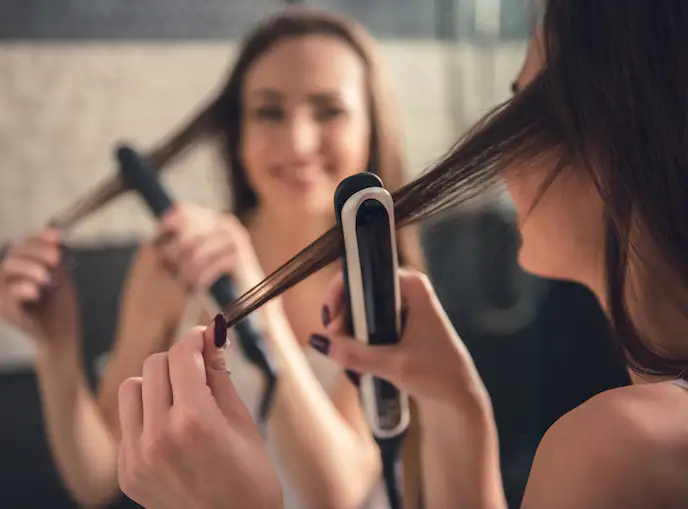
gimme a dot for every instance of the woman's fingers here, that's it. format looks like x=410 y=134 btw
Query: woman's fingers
x=44 y=248
x=24 y=292
x=334 y=306
x=16 y=268
x=156 y=393
x=415 y=287
x=216 y=258
x=175 y=249
x=382 y=361
x=219 y=380
x=187 y=368
x=130 y=400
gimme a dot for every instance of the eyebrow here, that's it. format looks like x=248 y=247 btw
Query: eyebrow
x=275 y=95
x=267 y=93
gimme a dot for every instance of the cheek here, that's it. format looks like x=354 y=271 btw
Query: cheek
x=253 y=151
x=563 y=234
x=348 y=147
x=523 y=191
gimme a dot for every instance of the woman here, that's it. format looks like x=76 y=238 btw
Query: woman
x=305 y=106
x=593 y=150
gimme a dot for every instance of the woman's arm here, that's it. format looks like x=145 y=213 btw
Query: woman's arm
x=81 y=445
x=324 y=444
x=150 y=311
x=83 y=432
x=460 y=456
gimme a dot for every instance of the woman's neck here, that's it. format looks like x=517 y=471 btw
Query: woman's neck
x=277 y=237
x=654 y=298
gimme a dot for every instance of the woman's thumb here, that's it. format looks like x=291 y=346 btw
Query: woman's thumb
x=354 y=355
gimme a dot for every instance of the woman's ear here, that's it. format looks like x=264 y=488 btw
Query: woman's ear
x=534 y=61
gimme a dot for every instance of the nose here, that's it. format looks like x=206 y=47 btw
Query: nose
x=302 y=138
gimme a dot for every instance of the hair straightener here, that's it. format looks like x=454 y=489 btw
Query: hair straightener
x=137 y=173
x=365 y=213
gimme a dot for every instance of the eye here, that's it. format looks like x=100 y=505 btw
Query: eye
x=515 y=87
x=325 y=113
x=271 y=113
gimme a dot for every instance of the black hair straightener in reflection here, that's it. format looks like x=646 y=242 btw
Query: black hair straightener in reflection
x=139 y=176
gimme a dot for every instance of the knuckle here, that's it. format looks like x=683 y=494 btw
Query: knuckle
x=155 y=362
x=183 y=348
x=417 y=282
x=352 y=355
x=126 y=481
x=402 y=366
x=23 y=290
x=156 y=448
x=423 y=281
x=350 y=359
x=131 y=471
x=188 y=429
x=9 y=264
x=53 y=255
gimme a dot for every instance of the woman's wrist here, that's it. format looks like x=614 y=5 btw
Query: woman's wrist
x=460 y=441
x=472 y=407
x=462 y=392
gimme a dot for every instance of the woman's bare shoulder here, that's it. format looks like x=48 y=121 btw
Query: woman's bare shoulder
x=627 y=447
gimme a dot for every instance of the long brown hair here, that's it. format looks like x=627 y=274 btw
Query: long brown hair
x=612 y=99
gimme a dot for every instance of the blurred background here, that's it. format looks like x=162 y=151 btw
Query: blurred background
x=79 y=76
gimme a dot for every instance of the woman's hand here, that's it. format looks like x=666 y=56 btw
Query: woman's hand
x=187 y=439
x=199 y=245
x=429 y=362
x=37 y=294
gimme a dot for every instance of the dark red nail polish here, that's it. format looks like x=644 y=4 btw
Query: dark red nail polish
x=320 y=343
x=220 y=330
x=326 y=316
x=354 y=377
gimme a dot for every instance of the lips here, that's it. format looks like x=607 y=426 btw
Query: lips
x=301 y=178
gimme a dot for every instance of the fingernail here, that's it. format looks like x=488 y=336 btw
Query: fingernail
x=326 y=316
x=220 y=330
x=320 y=343
x=354 y=377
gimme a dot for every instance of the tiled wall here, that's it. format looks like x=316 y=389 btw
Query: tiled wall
x=64 y=104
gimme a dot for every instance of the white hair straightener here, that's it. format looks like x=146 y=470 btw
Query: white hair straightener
x=365 y=214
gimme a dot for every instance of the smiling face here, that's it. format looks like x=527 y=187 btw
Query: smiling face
x=305 y=123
